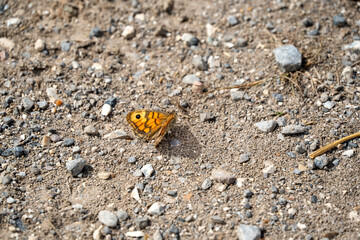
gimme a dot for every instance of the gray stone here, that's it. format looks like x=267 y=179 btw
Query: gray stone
x=199 y=63
x=248 y=232
x=156 y=209
x=27 y=103
x=91 y=131
x=348 y=153
x=223 y=176
x=232 y=20
x=329 y=104
x=324 y=97
x=96 y=32
x=147 y=170
x=218 y=220
x=206 y=184
x=207 y=117
x=190 y=79
x=67 y=141
x=236 y=95
x=354 y=46
x=321 y=161
x=19 y=151
x=122 y=215
x=10 y=200
x=248 y=193
x=281 y=121
x=339 y=20
x=8 y=120
x=75 y=166
x=65 y=46
x=293 y=129
x=34 y=170
x=6 y=180
x=288 y=58
x=241 y=42
x=142 y=222
x=42 y=105
x=118 y=134
x=132 y=159
x=190 y=39
x=108 y=218
x=244 y=158
x=266 y=126
x=157 y=235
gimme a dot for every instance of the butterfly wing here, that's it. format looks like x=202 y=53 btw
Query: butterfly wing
x=147 y=124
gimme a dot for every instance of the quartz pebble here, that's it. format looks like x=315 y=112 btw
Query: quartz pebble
x=128 y=32
x=156 y=208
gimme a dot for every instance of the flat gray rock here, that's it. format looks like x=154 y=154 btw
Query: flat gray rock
x=223 y=176
x=266 y=126
x=293 y=129
x=190 y=79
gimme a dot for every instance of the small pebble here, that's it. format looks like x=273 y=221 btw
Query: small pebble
x=156 y=208
x=142 y=222
x=132 y=159
x=207 y=117
x=266 y=126
x=91 y=131
x=244 y=158
x=348 y=153
x=223 y=176
x=339 y=20
x=232 y=20
x=129 y=32
x=218 y=220
x=108 y=218
x=122 y=215
x=39 y=45
x=321 y=161
x=248 y=232
x=67 y=141
x=190 y=39
x=206 y=184
x=288 y=58
x=147 y=170
x=293 y=129
x=106 y=109
x=190 y=79
x=75 y=166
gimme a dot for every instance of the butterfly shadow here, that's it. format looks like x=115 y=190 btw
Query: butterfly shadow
x=181 y=142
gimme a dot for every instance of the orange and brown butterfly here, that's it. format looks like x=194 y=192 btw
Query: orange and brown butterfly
x=150 y=125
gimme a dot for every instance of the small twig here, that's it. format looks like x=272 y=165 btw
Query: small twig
x=240 y=86
x=323 y=150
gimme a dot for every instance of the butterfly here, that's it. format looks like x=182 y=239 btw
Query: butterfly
x=150 y=125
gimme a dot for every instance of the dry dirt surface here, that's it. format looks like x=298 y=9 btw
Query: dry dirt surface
x=236 y=163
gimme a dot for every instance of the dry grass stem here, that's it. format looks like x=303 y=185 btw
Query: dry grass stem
x=323 y=150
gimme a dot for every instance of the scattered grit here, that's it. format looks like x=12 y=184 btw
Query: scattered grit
x=237 y=168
